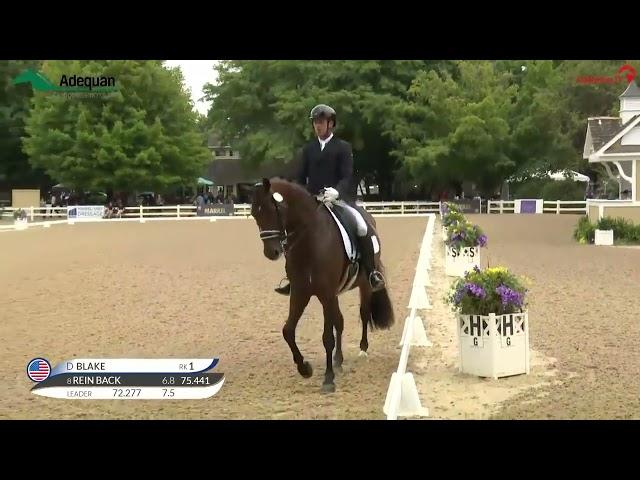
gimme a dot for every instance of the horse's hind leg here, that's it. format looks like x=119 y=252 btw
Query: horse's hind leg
x=365 y=315
x=331 y=312
x=297 y=303
x=338 y=358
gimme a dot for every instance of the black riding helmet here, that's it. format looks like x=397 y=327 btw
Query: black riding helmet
x=323 y=111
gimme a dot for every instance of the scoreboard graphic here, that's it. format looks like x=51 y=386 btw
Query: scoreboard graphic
x=126 y=378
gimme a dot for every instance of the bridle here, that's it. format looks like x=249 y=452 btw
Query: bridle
x=280 y=234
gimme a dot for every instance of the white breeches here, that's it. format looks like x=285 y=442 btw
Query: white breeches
x=362 y=225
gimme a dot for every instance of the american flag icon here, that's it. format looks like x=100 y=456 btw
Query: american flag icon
x=38 y=369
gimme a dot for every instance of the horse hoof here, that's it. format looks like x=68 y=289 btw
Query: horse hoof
x=363 y=354
x=305 y=370
x=328 y=387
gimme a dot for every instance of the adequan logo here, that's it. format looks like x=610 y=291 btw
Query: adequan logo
x=68 y=84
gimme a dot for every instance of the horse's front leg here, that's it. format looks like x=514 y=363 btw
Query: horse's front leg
x=298 y=301
x=331 y=312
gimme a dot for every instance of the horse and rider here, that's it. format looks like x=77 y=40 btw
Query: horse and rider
x=327 y=171
x=323 y=259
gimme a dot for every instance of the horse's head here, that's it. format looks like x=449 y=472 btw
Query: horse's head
x=269 y=209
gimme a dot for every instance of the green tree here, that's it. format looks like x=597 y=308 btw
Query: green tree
x=262 y=108
x=15 y=169
x=144 y=136
x=455 y=126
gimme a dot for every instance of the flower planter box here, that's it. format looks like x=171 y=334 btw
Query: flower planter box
x=458 y=261
x=494 y=345
x=604 y=237
x=20 y=223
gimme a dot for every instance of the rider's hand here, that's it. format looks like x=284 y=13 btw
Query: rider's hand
x=330 y=194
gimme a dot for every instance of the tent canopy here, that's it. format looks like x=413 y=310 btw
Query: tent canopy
x=204 y=181
x=575 y=176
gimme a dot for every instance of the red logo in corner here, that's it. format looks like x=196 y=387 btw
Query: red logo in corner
x=628 y=68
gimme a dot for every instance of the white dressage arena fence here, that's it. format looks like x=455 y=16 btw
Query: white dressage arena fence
x=538 y=206
x=402 y=395
x=48 y=216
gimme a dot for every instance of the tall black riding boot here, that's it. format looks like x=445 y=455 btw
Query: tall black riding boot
x=367 y=261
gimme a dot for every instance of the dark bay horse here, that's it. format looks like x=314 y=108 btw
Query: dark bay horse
x=293 y=222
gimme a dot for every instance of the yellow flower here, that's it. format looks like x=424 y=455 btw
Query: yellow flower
x=497 y=270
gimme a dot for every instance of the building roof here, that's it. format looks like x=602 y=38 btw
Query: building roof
x=631 y=91
x=602 y=130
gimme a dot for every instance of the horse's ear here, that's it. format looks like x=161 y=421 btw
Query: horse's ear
x=266 y=184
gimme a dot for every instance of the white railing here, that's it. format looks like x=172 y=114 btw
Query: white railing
x=564 y=206
x=402 y=208
x=402 y=398
x=501 y=206
x=242 y=209
x=549 y=206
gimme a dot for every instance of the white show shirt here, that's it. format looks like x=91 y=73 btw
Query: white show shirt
x=324 y=142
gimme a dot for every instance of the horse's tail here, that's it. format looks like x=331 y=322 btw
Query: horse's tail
x=382 y=316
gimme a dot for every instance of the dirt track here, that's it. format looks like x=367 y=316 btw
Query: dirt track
x=193 y=289
x=185 y=289
x=585 y=304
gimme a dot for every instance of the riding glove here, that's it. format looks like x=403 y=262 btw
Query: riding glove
x=330 y=194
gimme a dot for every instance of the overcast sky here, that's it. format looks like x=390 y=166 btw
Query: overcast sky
x=196 y=74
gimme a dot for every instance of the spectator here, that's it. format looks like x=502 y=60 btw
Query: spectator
x=108 y=210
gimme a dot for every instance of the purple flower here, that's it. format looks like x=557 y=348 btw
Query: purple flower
x=457 y=298
x=476 y=290
x=476 y=269
x=482 y=240
x=509 y=296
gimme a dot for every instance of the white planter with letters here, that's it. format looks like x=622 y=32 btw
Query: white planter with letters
x=494 y=345
x=458 y=261
x=604 y=237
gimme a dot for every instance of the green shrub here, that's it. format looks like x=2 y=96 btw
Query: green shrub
x=622 y=228
x=549 y=189
x=624 y=231
x=563 y=190
x=585 y=231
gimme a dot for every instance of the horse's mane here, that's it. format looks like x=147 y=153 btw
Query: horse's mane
x=289 y=189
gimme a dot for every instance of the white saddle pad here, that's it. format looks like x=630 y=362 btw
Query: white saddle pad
x=345 y=238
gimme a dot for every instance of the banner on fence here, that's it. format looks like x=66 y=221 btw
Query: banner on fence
x=529 y=206
x=215 y=209
x=85 y=212
x=467 y=205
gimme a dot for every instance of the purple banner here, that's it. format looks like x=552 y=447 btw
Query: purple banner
x=528 y=206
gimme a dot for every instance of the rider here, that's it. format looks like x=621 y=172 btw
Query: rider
x=327 y=170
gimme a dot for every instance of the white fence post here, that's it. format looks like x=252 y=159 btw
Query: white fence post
x=31 y=214
x=557 y=207
x=178 y=211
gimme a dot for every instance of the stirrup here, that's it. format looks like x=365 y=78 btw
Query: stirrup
x=284 y=290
